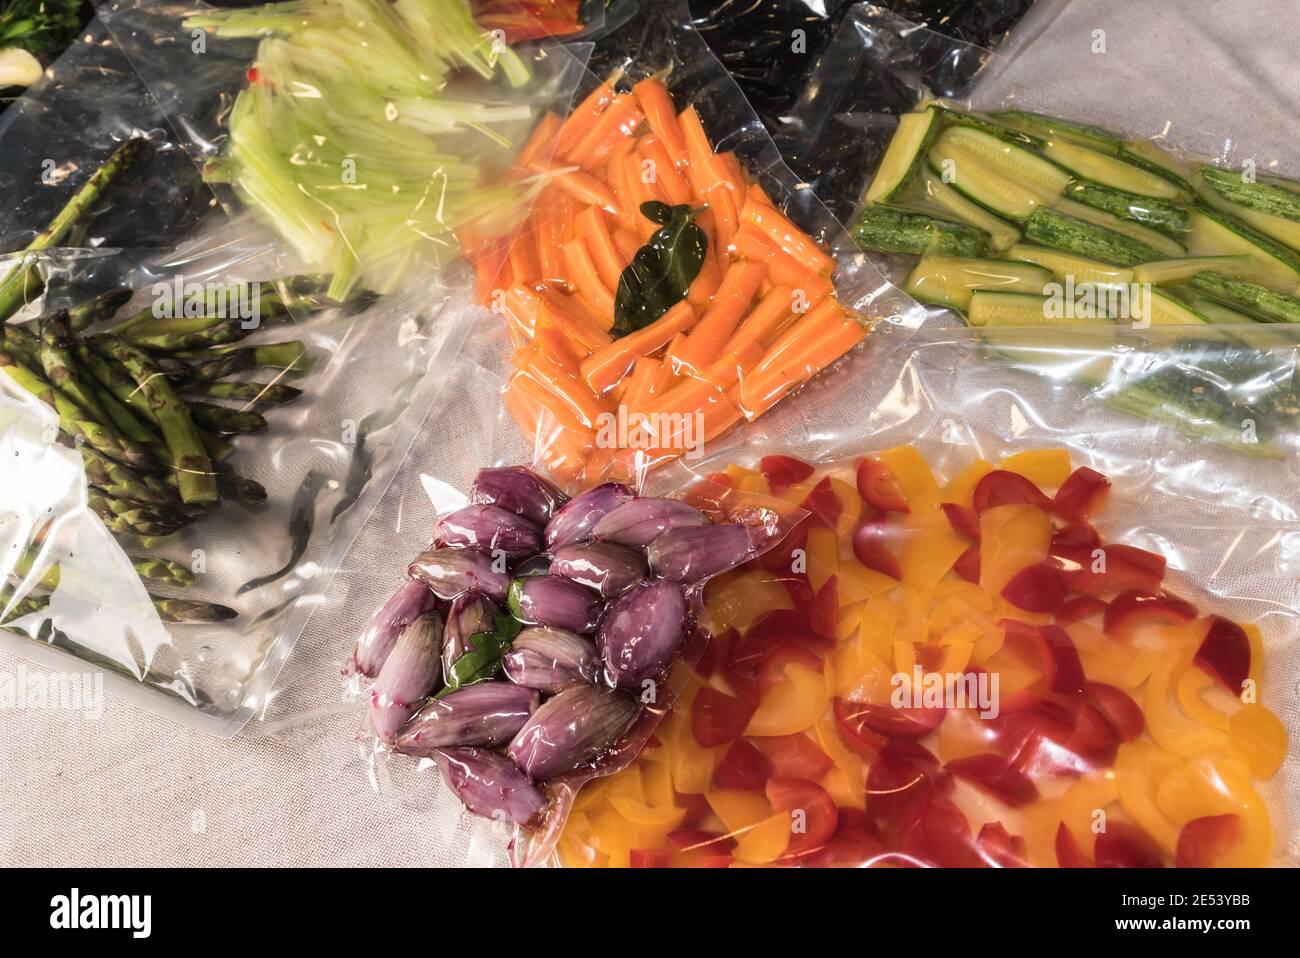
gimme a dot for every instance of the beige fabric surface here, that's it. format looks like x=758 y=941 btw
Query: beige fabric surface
x=297 y=786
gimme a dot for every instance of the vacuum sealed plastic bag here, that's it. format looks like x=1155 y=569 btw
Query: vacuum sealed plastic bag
x=1012 y=630
x=673 y=279
x=525 y=649
x=66 y=125
x=365 y=135
x=1053 y=222
x=230 y=421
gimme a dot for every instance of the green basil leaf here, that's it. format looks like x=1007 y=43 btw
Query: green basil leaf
x=662 y=271
x=483 y=662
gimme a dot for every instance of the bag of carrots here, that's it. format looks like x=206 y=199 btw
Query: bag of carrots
x=672 y=280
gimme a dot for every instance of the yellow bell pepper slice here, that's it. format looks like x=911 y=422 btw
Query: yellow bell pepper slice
x=791 y=705
x=1045 y=468
x=961 y=487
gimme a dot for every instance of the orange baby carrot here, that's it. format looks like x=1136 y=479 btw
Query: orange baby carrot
x=809 y=346
x=772 y=310
x=724 y=218
x=782 y=268
x=609 y=261
x=618 y=122
x=661 y=116
x=540 y=141
x=519 y=306
x=560 y=442
x=587 y=284
x=704 y=345
x=640 y=382
x=580 y=120
x=581 y=186
x=550 y=236
x=627 y=242
x=559 y=312
x=661 y=165
x=524 y=267
x=706 y=171
x=577 y=308
x=788 y=237
x=568 y=388
x=607 y=365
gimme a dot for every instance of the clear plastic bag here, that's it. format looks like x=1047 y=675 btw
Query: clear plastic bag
x=417 y=514
x=380 y=189
x=940 y=781
x=68 y=123
x=674 y=278
x=320 y=459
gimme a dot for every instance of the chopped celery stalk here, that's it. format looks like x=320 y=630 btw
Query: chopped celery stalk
x=369 y=132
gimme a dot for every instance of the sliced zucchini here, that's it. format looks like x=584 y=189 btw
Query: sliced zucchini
x=982 y=186
x=942 y=198
x=1215 y=234
x=1285 y=231
x=1177 y=270
x=903 y=231
x=1109 y=171
x=947 y=281
x=1159 y=214
x=1159 y=307
x=953 y=117
x=1262 y=195
x=1213 y=311
x=1006 y=159
x=1027 y=309
x=905 y=155
x=1058 y=130
x=1065 y=266
x=1268 y=304
x=1059 y=231
x=1165 y=245
x=1145 y=155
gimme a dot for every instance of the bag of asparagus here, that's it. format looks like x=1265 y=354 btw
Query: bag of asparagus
x=193 y=435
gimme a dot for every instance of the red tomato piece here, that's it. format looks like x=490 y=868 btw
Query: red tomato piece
x=997 y=775
x=716 y=653
x=869 y=548
x=1123 y=845
x=1003 y=488
x=854 y=732
x=1132 y=610
x=796 y=756
x=718 y=718
x=825 y=615
x=708 y=495
x=1118 y=706
x=1115 y=569
x=742 y=767
x=1077 y=534
x=823 y=504
x=1225 y=654
x=1068 y=852
x=964 y=520
x=1082 y=494
x=948 y=835
x=780 y=558
x=813 y=815
x=877 y=485
x=894 y=722
x=968 y=565
x=1204 y=841
x=782 y=472
x=1035 y=588
x=999 y=849
x=772 y=671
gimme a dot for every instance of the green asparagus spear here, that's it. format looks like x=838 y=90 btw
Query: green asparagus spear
x=28 y=605
x=191 y=612
x=226 y=422
x=226 y=331
x=255 y=394
x=195 y=477
x=270 y=307
x=246 y=492
x=78 y=424
x=125 y=517
x=56 y=360
x=100 y=308
x=24 y=283
x=121 y=482
x=221 y=362
x=148 y=568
